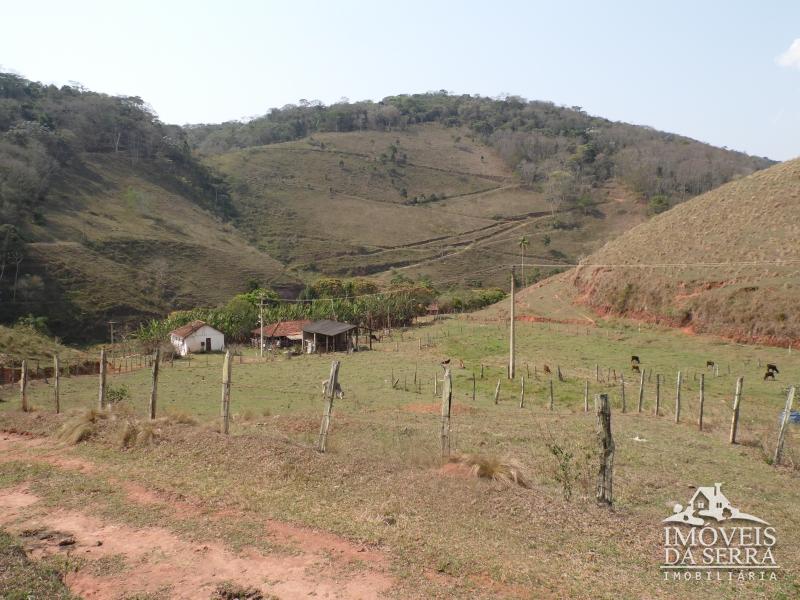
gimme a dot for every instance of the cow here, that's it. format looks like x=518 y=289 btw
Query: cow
x=772 y=368
x=709 y=364
x=635 y=368
x=635 y=360
x=374 y=337
x=769 y=375
x=547 y=369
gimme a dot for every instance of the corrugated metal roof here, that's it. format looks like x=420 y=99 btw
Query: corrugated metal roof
x=327 y=327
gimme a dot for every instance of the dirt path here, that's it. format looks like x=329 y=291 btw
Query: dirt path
x=153 y=559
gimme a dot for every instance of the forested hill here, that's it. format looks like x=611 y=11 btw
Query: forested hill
x=105 y=213
x=545 y=144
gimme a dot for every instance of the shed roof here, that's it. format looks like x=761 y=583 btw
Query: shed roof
x=327 y=327
x=189 y=329
x=282 y=328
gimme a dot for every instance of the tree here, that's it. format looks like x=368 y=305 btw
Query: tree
x=523 y=243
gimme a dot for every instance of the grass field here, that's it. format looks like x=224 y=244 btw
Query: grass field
x=425 y=530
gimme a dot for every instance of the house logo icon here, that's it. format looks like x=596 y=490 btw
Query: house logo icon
x=711 y=503
x=721 y=543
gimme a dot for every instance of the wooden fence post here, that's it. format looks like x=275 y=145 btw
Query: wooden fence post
x=330 y=392
x=497 y=392
x=522 y=392
x=473 y=385
x=558 y=371
x=702 y=399
x=641 y=390
x=56 y=383
x=23 y=386
x=678 y=398
x=227 y=365
x=435 y=385
x=784 y=423
x=447 y=400
x=586 y=396
x=597 y=372
x=154 y=388
x=605 y=475
x=736 y=400
x=622 y=389
x=551 y=393
x=658 y=393
x=101 y=397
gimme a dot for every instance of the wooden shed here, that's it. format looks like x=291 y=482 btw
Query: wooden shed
x=328 y=336
x=280 y=335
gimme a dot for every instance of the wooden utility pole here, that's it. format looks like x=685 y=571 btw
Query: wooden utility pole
x=154 y=388
x=702 y=399
x=787 y=412
x=678 y=398
x=511 y=332
x=641 y=390
x=330 y=393
x=736 y=401
x=23 y=386
x=447 y=401
x=227 y=365
x=101 y=397
x=605 y=474
x=56 y=384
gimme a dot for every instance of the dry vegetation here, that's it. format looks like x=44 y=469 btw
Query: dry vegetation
x=752 y=219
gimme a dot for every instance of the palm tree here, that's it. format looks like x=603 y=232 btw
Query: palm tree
x=523 y=243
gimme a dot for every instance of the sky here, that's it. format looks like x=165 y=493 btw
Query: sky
x=723 y=72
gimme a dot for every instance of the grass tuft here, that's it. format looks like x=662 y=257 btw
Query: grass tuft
x=81 y=427
x=507 y=471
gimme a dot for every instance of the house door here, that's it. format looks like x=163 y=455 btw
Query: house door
x=208 y=344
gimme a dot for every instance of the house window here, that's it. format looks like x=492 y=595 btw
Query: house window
x=719 y=504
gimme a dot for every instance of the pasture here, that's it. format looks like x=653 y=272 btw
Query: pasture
x=428 y=529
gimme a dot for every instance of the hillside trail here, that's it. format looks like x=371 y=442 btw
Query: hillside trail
x=156 y=560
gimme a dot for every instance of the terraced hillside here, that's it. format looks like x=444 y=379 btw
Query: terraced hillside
x=711 y=239
x=446 y=206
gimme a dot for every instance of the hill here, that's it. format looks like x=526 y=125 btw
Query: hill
x=107 y=215
x=710 y=239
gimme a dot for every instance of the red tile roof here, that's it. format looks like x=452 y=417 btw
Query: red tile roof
x=282 y=329
x=188 y=329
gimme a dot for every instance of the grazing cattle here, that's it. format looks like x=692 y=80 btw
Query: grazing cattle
x=337 y=392
x=635 y=360
x=635 y=368
x=709 y=364
x=374 y=337
x=769 y=375
x=547 y=369
x=445 y=362
x=772 y=368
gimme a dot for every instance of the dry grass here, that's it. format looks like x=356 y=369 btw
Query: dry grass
x=507 y=471
x=136 y=435
x=80 y=427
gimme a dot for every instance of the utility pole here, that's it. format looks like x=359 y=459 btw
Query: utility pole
x=111 y=328
x=511 y=334
x=261 y=326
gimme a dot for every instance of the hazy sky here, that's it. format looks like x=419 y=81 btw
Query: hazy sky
x=725 y=72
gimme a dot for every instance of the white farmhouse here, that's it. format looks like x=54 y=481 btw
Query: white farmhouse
x=197 y=336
